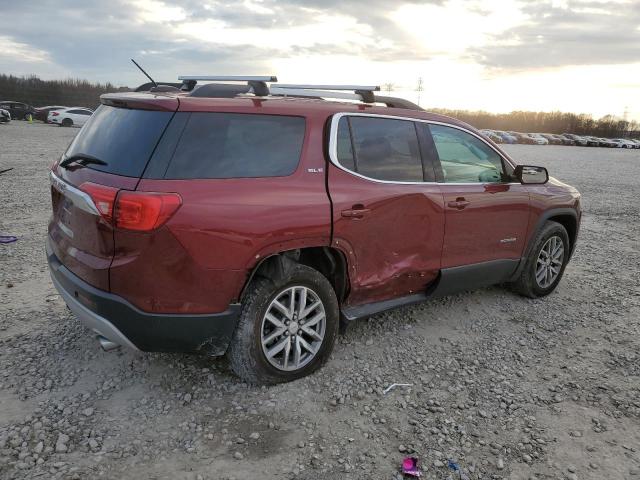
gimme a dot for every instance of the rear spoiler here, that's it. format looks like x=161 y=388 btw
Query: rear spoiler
x=141 y=101
x=150 y=87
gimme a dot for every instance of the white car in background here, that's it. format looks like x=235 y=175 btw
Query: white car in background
x=540 y=140
x=5 y=116
x=624 y=143
x=69 y=117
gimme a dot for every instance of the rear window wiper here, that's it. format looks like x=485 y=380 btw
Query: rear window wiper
x=82 y=159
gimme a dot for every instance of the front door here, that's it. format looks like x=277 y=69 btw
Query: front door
x=388 y=214
x=486 y=214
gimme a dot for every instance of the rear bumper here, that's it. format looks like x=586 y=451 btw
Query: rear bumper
x=117 y=320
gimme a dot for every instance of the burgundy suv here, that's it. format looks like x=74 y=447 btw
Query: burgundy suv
x=233 y=219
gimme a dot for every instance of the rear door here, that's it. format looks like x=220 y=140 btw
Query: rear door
x=82 y=195
x=486 y=212
x=387 y=209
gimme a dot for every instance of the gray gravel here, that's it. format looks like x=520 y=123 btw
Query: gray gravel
x=504 y=386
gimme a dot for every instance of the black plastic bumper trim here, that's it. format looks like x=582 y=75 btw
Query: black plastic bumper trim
x=150 y=332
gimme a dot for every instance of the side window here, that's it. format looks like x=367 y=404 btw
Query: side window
x=465 y=158
x=383 y=149
x=235 y=145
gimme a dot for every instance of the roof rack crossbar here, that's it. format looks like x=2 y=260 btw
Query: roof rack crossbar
x=364 y=88
x=257 y=83
x=303 y=92
x=229 y=78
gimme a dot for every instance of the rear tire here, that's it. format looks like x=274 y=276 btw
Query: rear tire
x=546 y=262
x=247 y=353
x=67 y=122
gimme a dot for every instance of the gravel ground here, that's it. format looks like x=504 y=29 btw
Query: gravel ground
x=505 y=386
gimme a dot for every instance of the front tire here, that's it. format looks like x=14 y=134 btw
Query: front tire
x=546 y=262
x=287 y=327
x=67 y=122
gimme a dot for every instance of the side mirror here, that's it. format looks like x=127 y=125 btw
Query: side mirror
x=530 y=175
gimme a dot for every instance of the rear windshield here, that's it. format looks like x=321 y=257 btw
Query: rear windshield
x=234 y=145
x=122 y=137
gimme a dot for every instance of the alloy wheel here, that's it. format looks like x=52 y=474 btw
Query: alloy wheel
x=293 y=328
x=549 y=262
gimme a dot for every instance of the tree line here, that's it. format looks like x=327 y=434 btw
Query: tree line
x=70 y=92
x=548 y=122
x=82 y=93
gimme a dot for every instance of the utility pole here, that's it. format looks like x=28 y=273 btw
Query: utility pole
x=626 y=114
x=419 y=89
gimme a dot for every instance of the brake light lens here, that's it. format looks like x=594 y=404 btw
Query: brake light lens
x=138 y=211
x=55 y=114
x=145 y=211
x=103 y=197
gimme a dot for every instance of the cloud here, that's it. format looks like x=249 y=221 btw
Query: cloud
x=95 y=39
x=559 y=34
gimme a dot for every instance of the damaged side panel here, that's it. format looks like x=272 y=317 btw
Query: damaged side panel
x=394 y=248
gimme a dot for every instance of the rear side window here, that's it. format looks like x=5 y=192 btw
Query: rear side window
x=234 y=145
x=344 y=147
x=122 y=137
x=380 y=148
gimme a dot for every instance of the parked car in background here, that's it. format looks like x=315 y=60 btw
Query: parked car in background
x=606 y=142
x=636 y=141
x=592 y=141
x=69 y=117
x=5 y=116
x=492 y=135
x=624 y=143
x=539 y=139
x=42 y=113
x=157 y=248
x=18 y=110
x=523 y=138
x=553 y=140
x=506 y=137
x=581 y=141
x=565 y=140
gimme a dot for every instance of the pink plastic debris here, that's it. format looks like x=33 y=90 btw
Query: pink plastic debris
x=410 y=467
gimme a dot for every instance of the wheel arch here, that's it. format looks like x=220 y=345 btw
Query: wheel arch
x=330 y=262
x=567 y=217
x=570 y=223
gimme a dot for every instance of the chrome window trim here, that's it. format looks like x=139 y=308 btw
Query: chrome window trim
x=79 y=198
x=333 y=147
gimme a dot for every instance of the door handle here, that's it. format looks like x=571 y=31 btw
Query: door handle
x=357 y=211
x=459 y=203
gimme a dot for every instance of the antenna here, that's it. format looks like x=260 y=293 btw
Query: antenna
x=145 y=73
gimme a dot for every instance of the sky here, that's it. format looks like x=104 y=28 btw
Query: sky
x=580 y=56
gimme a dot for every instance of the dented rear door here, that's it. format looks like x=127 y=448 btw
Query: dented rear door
x=388 y=214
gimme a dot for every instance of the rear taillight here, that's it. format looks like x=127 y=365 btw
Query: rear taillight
x=55 y=114
x=144 y=211
x=103 y=197
x=139 y=211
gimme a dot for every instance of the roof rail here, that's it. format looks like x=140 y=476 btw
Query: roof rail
x=395 y=102
x=258 y=83
x=363 y=93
